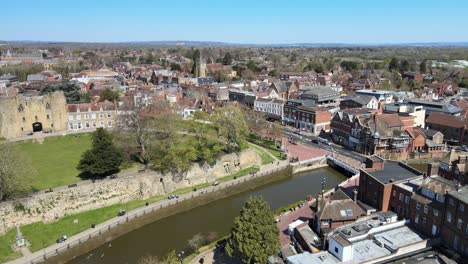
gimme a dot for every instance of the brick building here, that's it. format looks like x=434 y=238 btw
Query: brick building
x=453 y=127
x=454 y=230
x=377 y=179
x=305 y=115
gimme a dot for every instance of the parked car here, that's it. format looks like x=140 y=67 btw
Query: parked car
x=216 y=183
x=49 y=190
x=113 y=177
x=326 y=142
x=121 y=213
x=297 y=132
x=72 y=185
x=61 y=239
x=315 y=141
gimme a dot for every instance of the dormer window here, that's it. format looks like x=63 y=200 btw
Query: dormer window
x=20 y=108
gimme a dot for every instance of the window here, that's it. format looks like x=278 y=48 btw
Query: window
x=436 y=212
x=394 y=193
x=426 y=208
x=449 y=217
x=418 y=205
x=459 y=223
x=401 y=196
x=102 y=124
x=416 y=218
x=71 y=126
x=407 y=199
x=424 y=221
x=101 y=115
x=109 y=123
x=70 y=117
x=47 y=106
x=78 y=117
x=93 y=116
x=94 y=123
x=86 y=116
x=24 y=119
x=79 y=125
x=336 y=249
x=48 y=117
x=461 y=207
x=20 y=108
x=451 y=202
x=109 y=115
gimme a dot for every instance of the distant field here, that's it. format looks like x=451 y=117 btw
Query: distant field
x=55 y=160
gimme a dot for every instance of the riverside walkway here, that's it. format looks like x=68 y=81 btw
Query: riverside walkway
x=53 y=250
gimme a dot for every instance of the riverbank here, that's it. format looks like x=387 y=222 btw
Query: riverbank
x=115 y=227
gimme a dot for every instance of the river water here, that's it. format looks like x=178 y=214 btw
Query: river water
x=212 y=220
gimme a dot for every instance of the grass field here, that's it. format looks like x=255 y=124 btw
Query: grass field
x=266 y=159
x=55 y=160
x=40 y=234
x=6 y=252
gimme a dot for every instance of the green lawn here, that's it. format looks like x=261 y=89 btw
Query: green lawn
x=40 y=234
x=6 y=252
x=262 y=141
x=55 y=160
x=266 y=159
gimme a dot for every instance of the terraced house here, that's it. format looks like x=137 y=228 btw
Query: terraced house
x=92 y=115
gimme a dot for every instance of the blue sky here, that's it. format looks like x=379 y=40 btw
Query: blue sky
x=240 y=21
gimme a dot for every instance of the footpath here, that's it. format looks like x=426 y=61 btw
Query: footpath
x=53 y=250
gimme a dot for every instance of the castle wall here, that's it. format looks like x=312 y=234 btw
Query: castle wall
x=18 y=113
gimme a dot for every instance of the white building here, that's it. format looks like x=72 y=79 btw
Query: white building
x=385 y=97
x=272 y=107
x=91 y=116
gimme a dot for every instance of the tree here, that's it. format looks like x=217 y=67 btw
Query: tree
x=14 y=168
x=196 y=242
x=404 y=66
x=423 y=67
x=219 y=76
x=71 y=90
x=231 y=128
x=227 y=60
x=171 y=258
x=176 y=67
x=108 y=95
x=102 y=159
x=254 y=236
x=394 y=64
x=247 y=74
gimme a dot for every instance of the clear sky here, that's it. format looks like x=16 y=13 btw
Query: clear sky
x=239 y=21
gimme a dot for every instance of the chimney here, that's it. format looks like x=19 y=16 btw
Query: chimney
x=355 y=193
x=432 y=168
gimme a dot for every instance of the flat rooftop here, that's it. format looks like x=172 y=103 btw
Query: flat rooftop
x=318 y=258
x=368 y=249
x=393 y=172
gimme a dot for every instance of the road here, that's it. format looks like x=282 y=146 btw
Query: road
x=306 y=139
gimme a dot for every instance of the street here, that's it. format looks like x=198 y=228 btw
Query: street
x=307 y=141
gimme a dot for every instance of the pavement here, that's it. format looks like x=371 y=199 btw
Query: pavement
x=92 y=232
x=303 y=213
x=301 y=151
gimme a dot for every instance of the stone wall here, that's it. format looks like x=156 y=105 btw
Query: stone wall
x=46 y=206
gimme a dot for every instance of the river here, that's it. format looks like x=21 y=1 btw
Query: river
x=212 y=220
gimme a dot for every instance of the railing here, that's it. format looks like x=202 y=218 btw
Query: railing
x=111 y=224
x=344 y=165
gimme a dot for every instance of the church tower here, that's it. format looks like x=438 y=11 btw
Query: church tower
x=201 y=68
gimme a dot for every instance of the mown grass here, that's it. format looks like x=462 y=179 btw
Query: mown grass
x=55 y=160
x=42 y=235
x=262 y=141
x=6 y=252
x=266 y=158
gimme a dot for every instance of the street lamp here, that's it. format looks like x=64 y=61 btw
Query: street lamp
x=180 y=255
x=323 y=184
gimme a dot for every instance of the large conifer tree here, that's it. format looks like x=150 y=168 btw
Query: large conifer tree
x=103 y=158
x=255 y=235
